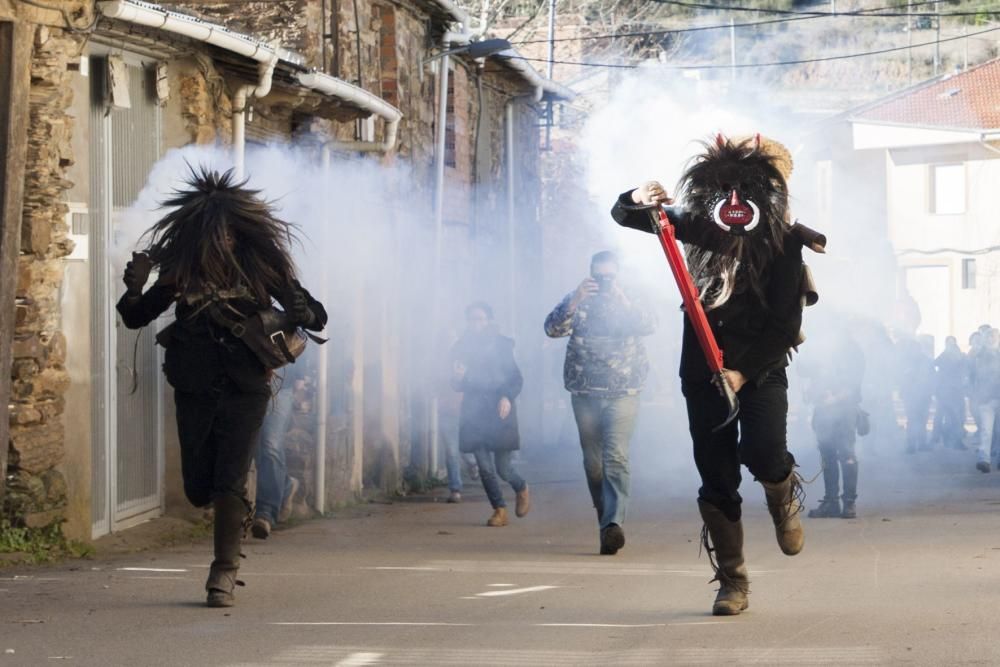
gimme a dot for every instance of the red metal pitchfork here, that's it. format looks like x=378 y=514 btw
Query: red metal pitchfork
x=696 y=312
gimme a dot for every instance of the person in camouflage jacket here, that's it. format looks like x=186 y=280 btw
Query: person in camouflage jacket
x=605 y=369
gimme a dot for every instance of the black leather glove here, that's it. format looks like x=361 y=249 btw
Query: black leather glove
x=299 y=310
x=137 y=273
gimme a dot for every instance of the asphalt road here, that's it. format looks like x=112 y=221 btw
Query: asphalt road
x=914 y=580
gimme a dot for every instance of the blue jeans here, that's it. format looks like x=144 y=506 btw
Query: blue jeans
x=448 y=432
x=273 y=482
x=987 y=424
x=492 y=467
x=606 y=426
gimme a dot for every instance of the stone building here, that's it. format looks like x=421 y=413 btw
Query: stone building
x=95 y=94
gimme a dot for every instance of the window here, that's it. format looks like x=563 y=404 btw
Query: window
x=947 y=189
x=968 y=274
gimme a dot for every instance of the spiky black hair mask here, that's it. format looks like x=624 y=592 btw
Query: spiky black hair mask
x=736 y=198
x=220 y=234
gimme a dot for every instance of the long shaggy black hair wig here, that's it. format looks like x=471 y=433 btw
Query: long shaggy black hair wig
x=222 y=235
x=723 y=259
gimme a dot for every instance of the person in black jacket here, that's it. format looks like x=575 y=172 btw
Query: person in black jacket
x=221 y=255
x=748 y=268
x=836 y=372
x=484 y=371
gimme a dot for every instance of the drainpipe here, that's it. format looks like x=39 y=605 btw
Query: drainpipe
x=240 y=98
x=439 y=148
x=511 y=216
x=448 y=40
x=322 y=383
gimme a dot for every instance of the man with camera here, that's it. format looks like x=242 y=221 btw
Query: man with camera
x=605 y=369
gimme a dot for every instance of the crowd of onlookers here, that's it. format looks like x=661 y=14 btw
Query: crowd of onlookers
x=958 y=385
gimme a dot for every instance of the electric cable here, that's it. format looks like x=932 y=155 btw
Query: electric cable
x=804 y=16
x=978 y=251
x=780 y=63
x=729 y=8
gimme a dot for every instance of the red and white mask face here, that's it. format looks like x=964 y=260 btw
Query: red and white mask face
x=734 y=215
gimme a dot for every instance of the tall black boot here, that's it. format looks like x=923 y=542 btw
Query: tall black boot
x=231 y=515
x=829 y=506
x=784 y=502
x=725 y=555
x=850 y=468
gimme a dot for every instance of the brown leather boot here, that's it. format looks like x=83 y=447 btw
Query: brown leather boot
x=725 y=555
x=523 y=504
x=784 y=502
x=230 y=522
x=499 y=518
x=221 y=583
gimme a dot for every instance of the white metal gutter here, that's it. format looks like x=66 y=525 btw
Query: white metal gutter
x=457 y=13
x=514 y=60
x=153 y=16
x=334 y=87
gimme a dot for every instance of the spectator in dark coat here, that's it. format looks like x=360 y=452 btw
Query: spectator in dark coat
x=916 y=388
x=485 y=372
x=952 y=370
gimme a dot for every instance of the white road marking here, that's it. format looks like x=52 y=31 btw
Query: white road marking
x=600 y=625
x=375 y=623
x=514 y=591
x=501 y=585
x=553 y=568
x=149 y=569
x=438 y=656
x=465 y=625
x=623 y=625
x=360 y=659
x=847 y=655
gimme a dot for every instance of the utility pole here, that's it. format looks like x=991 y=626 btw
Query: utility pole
x=937 y=41
x=965 y=42
x=909 y=42
x=833 y=6
x=732 y=49
x=552 y=51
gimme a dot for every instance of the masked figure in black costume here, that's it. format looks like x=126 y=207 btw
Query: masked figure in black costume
x=747 y=265
x=222 y=255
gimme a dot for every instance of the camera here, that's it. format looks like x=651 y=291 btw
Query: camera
x=604 y=281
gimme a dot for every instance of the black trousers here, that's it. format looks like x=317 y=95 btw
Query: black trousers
x=218 y=436
x=756 y=439
x=949 y=418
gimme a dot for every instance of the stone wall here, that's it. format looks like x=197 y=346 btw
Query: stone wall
x=296 y=25
x=206 y=105
x=36 y=491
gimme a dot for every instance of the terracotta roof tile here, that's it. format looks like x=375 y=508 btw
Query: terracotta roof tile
x=969 y=100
